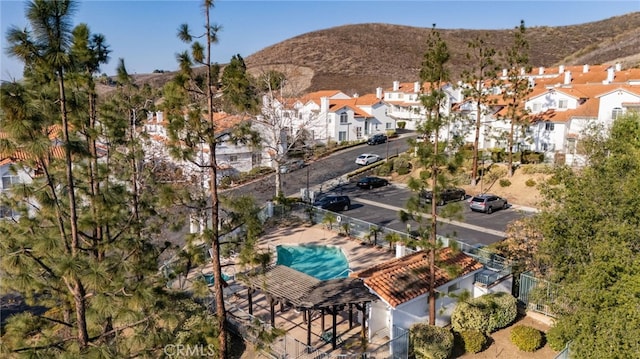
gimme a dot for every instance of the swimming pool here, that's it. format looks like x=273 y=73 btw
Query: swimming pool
x=321 y=262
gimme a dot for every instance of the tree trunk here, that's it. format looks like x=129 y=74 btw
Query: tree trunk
x=215 y=242
x=511 y=129
x=434 y=233
x=78 y=291
x=476 y=142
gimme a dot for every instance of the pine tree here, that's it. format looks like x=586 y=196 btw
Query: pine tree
x=482 y=71
x=439 y=166
x=516 y=88
x=99 y=288
x=189 y=105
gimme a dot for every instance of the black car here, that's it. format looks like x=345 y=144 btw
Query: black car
x=371 y=182
x=377 y=139
x=333 y=203
x=447 y=195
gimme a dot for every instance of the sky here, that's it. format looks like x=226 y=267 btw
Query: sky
x=143 y=32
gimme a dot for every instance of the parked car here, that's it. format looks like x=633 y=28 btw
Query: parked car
x=446 y=195
x=367 y=159
x=372 y=182
x=487 y=203
x=376 y=139
x=291 y=166
x=333 y=203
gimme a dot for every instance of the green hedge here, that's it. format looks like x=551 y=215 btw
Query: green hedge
x=430 y=341
x=526 y=338
x=487 y=313
x=474 y=341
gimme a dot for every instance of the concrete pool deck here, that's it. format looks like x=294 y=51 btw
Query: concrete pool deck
x=360 y=256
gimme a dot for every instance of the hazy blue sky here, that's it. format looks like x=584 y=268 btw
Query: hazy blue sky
x=143 y=32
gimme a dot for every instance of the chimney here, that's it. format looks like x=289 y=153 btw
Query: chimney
x=532 y=82
x=396 y=85
x=379 y=93
x=504 y=72
x=324 y=104
x=416 y=87
x=585 y=68
x=522 y=71
x=540 y=70
x=618 y=66
x=610 y=74
x=567 y=77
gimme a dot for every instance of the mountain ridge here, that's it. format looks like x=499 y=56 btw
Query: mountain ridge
x=358 y=58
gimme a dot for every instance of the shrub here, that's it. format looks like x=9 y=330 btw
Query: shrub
x=497 y=155
x=557 y=337
x=487 y=313
x=530 y=169
x=503 y=309
x=467 y=316
x=402 y=165
x=505 y=182
x=530 y=182
x=430 y=341
x=526 y=338
x=474 y=341
x=403 y=170
x=401 y=124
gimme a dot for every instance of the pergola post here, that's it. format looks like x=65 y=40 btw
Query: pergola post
x=350 y=315
x=308 y=314
x=272 y=306
x=334 y=314
x=250 y=295
x=364 y=321
x=322 y=320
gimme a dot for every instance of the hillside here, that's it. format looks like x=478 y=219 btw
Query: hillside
x=359 y=58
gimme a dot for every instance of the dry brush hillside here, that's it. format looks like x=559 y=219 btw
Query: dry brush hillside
x=359 y=58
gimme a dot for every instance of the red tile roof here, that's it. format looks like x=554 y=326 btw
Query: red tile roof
x=402 y=279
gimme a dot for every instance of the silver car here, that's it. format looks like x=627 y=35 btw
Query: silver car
x=487 y=203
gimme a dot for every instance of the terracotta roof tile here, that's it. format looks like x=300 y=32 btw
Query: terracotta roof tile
x=402 y=279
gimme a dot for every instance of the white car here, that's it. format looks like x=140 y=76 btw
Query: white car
x=367 y=159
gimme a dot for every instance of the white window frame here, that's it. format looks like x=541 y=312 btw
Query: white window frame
x=344 y=118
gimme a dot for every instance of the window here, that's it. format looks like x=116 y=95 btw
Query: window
x=563 y=103
x=388 y=125
x=616 y=112
x=233 y=158
x=548 y=126
x=452 y=288
x=342 y=136
x=358 y=132
x=256 y=159
x=8 y=181
x=7 y=212
x=344 y=118
x=571 y=145
x=537 y=107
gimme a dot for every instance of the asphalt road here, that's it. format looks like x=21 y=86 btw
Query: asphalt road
x=382 y=205
x=319 y=171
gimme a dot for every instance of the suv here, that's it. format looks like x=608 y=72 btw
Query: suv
x=446 y=195
x=333 y=203
x=377 y=139
x=487 y=203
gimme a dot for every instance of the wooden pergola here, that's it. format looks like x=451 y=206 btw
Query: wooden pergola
x=285 y=286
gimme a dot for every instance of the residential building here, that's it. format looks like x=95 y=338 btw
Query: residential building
x=402 y=285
